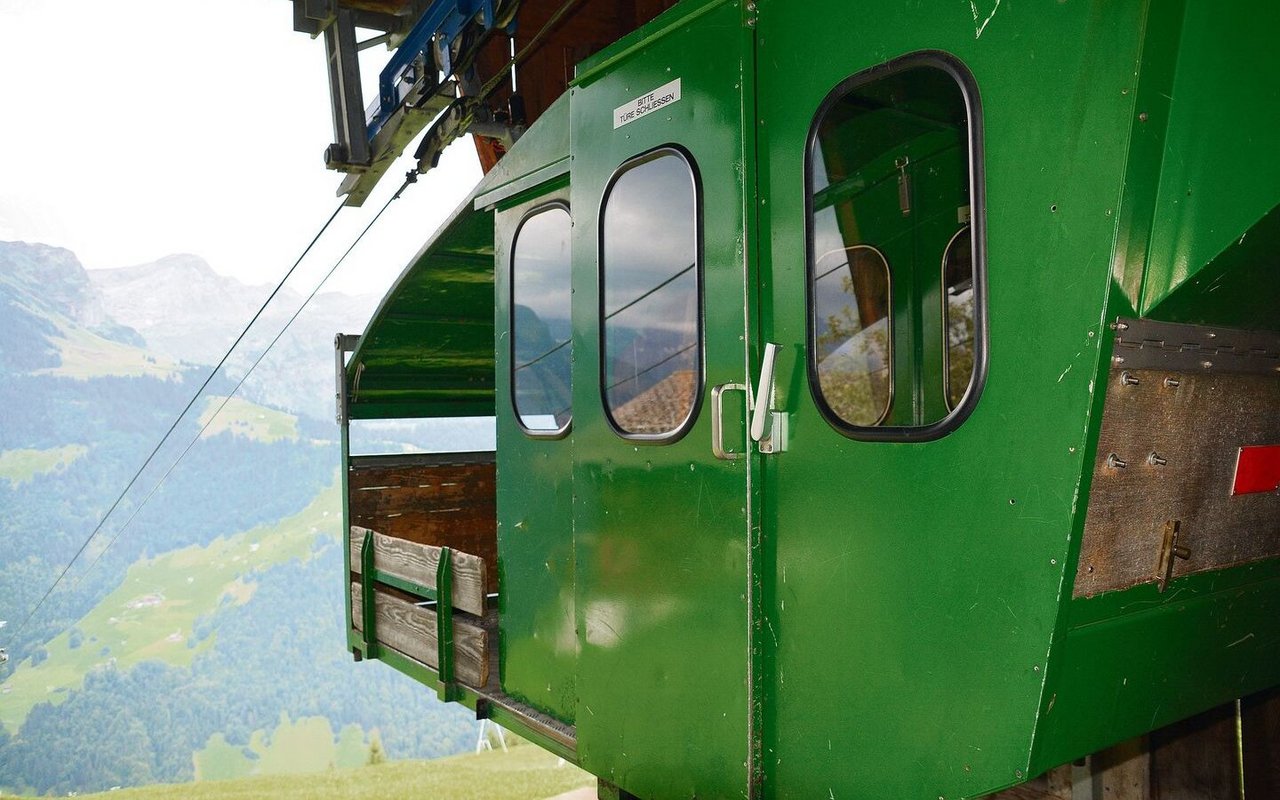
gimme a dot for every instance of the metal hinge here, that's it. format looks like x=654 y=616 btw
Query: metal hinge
x=1149 y=344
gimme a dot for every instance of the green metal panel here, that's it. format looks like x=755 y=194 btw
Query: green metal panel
x=661 y=529
x=913 y=589
x=428 y=351
x=1220 y=169
x=1137 y=660
x=539 y=643
x=1239 y=288
x=1129 y=661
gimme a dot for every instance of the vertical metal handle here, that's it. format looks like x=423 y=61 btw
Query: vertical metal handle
x=717 y=420
x=761 y=400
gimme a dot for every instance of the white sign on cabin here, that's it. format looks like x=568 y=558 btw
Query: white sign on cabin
x=633 y=110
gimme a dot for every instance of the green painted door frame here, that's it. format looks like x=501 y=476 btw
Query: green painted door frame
x=911 y=588
x=662 y=540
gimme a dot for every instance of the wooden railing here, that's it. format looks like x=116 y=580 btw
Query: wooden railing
x=405 y=598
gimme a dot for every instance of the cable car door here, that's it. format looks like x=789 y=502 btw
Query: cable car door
x=880 y=514
x=660 y=522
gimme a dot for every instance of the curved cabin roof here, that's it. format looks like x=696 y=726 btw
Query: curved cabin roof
x=428 y=350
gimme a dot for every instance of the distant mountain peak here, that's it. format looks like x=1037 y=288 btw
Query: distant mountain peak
x=52 y=278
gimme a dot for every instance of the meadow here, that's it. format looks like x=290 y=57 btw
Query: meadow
x=525 y=772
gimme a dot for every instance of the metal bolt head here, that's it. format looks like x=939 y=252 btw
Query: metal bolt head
x=1172 y=383
x=1127 y=378
x=1156 y=460
x=1116 y=462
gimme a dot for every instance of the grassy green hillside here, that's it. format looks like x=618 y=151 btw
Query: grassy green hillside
x=20 y=466
x=524 y=773
x=84 y=355
x=239 y=417
x=305 y=746
x=155 y=614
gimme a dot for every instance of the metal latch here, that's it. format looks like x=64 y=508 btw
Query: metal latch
x=1169 y=550
x=762 y=412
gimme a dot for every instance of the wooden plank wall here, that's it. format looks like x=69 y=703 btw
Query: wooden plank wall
x=446 y=505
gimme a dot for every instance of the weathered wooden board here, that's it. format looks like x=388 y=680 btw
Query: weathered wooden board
x=447 y=504
x=411 y=631
x=416 y=562
x=425 y=484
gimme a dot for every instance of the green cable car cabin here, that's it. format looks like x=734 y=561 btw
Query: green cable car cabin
x=887 y=394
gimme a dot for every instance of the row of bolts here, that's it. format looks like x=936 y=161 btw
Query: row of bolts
x=1153 y=458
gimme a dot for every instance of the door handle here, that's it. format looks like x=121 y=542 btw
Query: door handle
x=763 y=396
x=761 y=404
x=717 y=419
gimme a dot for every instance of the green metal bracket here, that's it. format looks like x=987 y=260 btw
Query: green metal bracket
x=403 y=585
x=448 y=689
x=367 y=596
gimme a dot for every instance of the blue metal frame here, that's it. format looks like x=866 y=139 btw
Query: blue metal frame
x=443 y=18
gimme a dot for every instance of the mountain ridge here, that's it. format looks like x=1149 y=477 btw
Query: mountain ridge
x=186 y=310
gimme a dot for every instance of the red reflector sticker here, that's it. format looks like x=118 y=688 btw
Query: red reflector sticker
x=1257 y=469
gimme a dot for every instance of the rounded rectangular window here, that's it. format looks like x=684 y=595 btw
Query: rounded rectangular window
x=650 y=296
x=541 y=353
x=852 y=308
x=894 y=193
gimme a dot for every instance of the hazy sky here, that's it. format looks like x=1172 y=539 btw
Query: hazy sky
x=136 y=129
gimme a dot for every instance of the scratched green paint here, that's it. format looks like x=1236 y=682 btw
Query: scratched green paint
x=1220 y=171
x=660 y=529
x=539 y=642
x=918 y=583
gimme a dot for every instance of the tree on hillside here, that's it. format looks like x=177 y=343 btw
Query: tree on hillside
x=376 y=754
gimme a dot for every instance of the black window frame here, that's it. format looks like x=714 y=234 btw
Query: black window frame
x=541 y=208
x=695 y=177
x=968 y=87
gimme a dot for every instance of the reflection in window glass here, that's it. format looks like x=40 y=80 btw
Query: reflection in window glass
x=650 y=284
x=540 y=328
x=888 y=172
x=957 y=281
x=851 y=306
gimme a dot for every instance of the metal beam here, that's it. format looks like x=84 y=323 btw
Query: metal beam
x=351 y=148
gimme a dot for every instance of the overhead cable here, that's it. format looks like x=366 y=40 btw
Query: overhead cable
x=177 y=420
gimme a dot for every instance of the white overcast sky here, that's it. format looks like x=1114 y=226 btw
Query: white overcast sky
x=135 y=129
